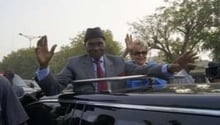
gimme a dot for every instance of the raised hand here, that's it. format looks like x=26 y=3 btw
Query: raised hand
x=186 y=58
x=43 y=55
x=183 y=62
x=129 y=42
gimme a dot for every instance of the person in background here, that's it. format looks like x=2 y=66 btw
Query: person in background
x=10 y=75
x=95 y=64
x=183 y=76
x=11 y=110
x=138 y=54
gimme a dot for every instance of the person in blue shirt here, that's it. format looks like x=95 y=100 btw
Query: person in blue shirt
x=138 y=54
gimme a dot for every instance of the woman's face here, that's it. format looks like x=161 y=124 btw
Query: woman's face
x=139 y=54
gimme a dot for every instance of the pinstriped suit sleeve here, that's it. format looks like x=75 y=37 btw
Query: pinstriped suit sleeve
x=152 y=71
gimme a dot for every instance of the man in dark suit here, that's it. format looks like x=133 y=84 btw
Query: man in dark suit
x=84 y=66
x=11 y=110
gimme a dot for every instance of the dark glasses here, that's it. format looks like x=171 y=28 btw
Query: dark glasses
x=139 y=53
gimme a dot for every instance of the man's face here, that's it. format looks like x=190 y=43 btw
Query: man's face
x=95 y=47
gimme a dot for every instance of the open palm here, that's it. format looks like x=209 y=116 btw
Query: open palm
x=42 y=53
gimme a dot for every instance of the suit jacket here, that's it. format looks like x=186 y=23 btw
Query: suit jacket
x=81 y=67
x=11 y=110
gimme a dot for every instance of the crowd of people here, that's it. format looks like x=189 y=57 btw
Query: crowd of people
x=94 y=64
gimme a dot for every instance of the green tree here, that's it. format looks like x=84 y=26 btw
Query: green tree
x=22 y=62
x=181 y=26
x=76 y=47
x=213 y=39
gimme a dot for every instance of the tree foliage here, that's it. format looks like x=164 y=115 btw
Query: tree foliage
x=181 y=26
x=213 y=42
x=22 y=62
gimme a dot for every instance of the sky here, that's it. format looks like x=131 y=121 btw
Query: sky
x=62 y=20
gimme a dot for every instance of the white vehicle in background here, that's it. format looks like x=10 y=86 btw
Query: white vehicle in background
x=28 y=85
x=32 y=84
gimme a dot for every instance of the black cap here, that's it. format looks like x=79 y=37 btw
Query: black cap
x=94 y=33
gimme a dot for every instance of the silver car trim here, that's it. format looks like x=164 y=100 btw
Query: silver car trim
x=110 y=78
x=193 y=111
x=49 y=100
x=116 y=78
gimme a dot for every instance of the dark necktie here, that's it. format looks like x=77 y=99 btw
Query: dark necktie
x=102 y=85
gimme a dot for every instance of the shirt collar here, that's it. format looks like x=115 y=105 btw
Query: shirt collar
x=101 y=59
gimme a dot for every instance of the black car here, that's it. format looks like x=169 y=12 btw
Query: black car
x=191 y=104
